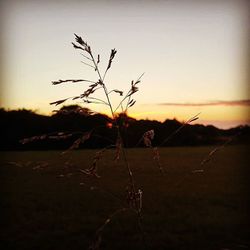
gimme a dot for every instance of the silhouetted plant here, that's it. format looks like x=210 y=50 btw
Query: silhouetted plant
x=134 y=194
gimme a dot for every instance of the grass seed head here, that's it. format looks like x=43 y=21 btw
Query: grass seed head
x=148 y=137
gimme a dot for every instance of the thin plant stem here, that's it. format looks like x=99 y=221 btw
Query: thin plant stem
x=135 y=205
x=117 y=126
x=180 y=128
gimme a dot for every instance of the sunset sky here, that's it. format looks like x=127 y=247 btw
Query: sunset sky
x=193 y=53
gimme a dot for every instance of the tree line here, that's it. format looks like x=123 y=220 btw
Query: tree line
x=60 y=130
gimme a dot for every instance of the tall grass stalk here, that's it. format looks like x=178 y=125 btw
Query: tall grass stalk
x=134 y=199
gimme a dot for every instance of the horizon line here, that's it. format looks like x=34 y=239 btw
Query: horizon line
x=216 y=123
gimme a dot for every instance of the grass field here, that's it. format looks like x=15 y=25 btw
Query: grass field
x=57 y=207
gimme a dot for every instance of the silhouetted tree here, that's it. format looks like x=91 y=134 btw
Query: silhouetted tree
x=22 y=123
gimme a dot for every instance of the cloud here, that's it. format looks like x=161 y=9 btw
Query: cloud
x=210 y=103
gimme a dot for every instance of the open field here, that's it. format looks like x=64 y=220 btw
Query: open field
x=58 y=207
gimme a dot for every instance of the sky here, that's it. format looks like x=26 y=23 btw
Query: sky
x=193 y=53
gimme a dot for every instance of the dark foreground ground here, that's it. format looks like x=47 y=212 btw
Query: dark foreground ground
x=46 y=204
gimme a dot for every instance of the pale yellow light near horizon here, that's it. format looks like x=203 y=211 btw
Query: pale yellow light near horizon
x=190 y=52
